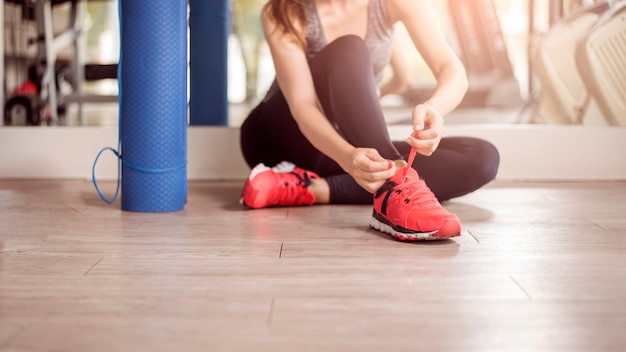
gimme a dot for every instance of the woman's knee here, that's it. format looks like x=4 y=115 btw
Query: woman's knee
x=476 y=158
x=349 y=42
x=486 y=160
x=349 y=50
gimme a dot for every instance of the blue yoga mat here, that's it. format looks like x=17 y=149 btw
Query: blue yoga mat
x=153 y=105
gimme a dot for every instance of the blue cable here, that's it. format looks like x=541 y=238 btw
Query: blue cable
x=119 y=124
x=93 y=176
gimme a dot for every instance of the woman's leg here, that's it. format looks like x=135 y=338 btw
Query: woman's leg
x=270 y=135
x=346 y=89
x=343 y=77
x=344 y=82
x=459 y=166
x=345 y=86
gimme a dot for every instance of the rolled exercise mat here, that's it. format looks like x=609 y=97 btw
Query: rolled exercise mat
x=209 y=27
x=153 y=99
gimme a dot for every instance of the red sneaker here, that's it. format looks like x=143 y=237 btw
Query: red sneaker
x=284 y=185
x=408 y=210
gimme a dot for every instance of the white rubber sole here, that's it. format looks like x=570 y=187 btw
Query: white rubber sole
x=415 y=236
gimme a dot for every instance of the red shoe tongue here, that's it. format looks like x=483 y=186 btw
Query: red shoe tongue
x=409 y=172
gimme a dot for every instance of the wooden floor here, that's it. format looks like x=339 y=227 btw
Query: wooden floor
x=539 y=267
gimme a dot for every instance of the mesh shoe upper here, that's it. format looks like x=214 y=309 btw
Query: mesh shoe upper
x=283 y=185
x=406 y=208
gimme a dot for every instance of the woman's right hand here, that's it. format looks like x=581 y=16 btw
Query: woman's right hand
x=369 y=169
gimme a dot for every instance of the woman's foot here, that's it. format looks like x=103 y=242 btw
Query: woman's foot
x=408 y=210
x=283 y=185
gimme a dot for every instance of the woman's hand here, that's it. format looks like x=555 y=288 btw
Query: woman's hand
x=369 y=169
x=428 y=127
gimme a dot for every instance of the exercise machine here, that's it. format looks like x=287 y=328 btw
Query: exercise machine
x=42 y=98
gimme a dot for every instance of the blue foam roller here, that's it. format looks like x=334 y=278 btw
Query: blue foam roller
x=209 y=27
x=153 y=105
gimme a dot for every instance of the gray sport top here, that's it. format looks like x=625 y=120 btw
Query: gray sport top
x=378 y=36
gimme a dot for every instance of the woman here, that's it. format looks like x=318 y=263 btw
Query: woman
x=323 y=115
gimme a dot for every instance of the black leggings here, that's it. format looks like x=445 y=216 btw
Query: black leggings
x=344 y=82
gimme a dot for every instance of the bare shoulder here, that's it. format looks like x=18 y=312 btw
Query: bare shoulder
x=275 y=33
x=267 y=21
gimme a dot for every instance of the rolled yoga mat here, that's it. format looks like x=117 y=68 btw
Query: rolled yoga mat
x=209 y=27
x=153 y=104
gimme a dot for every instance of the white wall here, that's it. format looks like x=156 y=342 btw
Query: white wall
x=528 y=152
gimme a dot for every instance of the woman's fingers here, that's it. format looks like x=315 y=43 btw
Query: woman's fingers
x=371 y=170
x=428 y=126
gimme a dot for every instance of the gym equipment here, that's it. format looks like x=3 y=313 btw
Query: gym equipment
x=48 y=104
x=484 y=54
x=482 y=50
x=601 y=62
x=563 y=97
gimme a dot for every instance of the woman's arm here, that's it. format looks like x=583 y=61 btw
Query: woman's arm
x=368 y=168
x=421 y=23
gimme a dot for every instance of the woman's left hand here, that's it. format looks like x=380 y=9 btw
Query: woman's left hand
x=428 y=123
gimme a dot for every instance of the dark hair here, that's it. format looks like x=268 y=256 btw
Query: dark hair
x=287 y=14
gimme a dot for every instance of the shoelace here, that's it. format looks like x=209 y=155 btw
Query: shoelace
x=292 y=190
x=415 y=189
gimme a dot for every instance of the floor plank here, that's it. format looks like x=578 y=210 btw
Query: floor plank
x=539 y=267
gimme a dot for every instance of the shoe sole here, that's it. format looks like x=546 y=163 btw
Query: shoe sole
x=408 y=236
